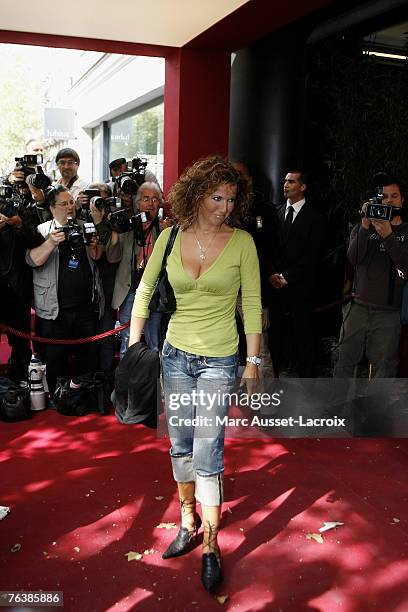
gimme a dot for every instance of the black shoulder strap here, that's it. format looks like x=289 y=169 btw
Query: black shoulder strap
x=170 y=243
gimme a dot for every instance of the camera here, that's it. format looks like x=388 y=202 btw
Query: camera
x=73 y=234
x=31 y=164
x=106 y=204
x=77 y=236
x=6 y=192
x=137 y=225
x=10 y=200
x=94 y=196
x=122 y=221
x=89 y=232
x=375 y=209
x=129 y=182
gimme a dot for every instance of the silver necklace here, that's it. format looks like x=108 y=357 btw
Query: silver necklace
x=203 y=250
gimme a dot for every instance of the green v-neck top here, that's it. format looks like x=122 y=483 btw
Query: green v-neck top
x=204 y=322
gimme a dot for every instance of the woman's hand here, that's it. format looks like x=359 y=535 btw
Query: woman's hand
x=250 y=378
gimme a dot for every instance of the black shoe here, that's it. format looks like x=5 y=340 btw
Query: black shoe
x=211 y=571
x=183 y=541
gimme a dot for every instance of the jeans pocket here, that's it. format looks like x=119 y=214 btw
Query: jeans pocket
x=168 y=350
x=221 y=367
x=221 y=362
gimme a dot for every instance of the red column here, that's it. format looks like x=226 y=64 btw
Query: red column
x=196 y=108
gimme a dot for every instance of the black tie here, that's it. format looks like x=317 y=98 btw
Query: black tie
x=288 y=221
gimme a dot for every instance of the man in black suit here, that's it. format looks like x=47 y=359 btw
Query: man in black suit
x=292 y=277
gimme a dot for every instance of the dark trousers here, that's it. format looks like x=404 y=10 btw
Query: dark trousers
x=71 y=323
x=107 y=345
x=17 y=314
x=291 y=333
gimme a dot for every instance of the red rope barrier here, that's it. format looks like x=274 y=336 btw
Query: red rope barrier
x=343 y=300
x=20 y=334
x=111 y=332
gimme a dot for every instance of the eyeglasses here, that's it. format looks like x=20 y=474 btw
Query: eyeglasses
x=152 y=199
x=67 y=162
x=65 y=203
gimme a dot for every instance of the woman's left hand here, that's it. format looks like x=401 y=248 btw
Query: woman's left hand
x=250 y=378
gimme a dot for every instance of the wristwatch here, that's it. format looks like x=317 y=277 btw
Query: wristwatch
x=254 y=359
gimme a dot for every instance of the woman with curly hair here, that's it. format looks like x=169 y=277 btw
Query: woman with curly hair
x=211 y=261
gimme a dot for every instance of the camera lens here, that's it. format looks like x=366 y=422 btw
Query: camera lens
x=128 y=185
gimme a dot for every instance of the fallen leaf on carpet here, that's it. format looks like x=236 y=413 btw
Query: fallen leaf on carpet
x=396 y=520
x=4 y=510
x=329 y=525
x=222 y=598
x=133 y=556
x=315 y=536
x=166 y=526
x=15 y=548
x=159 y=497
x=77 y=549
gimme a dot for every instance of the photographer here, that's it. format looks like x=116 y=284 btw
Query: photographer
x=16 y=291
x=133 y=252
x=107 y=271
x=35 y=211
x=120 y=165
x=378 y=250
x=68 y=161
x=67 y=289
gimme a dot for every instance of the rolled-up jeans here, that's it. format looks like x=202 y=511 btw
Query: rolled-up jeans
x=197 y=390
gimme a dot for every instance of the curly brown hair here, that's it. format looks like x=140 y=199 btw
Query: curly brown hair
x=202 y=179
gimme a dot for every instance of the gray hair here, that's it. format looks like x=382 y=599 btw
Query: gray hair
x=149 y=185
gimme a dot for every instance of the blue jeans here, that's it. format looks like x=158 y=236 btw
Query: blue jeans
x=125 y=312
x=152 y=331
x=151 y=327
x=194 y=387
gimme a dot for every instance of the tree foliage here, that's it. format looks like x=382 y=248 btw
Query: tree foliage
x=21 y=107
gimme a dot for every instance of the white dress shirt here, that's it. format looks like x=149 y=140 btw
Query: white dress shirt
x=296 y=207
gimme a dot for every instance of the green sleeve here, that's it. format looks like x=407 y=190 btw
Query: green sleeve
x=251 y=288
x=150 y=275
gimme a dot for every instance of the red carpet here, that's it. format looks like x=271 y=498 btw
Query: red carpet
x=84 y=492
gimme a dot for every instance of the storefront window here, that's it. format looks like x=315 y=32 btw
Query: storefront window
x=140 y=135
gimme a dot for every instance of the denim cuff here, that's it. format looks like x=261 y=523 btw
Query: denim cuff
x=209 y=490
x=183 y=470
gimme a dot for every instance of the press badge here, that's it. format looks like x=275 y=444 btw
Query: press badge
x=73 y=264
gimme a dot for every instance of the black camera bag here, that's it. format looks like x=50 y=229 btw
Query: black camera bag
x=14 y=401
x=92 y=395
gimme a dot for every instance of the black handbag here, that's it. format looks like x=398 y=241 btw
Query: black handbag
x=163 y=299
